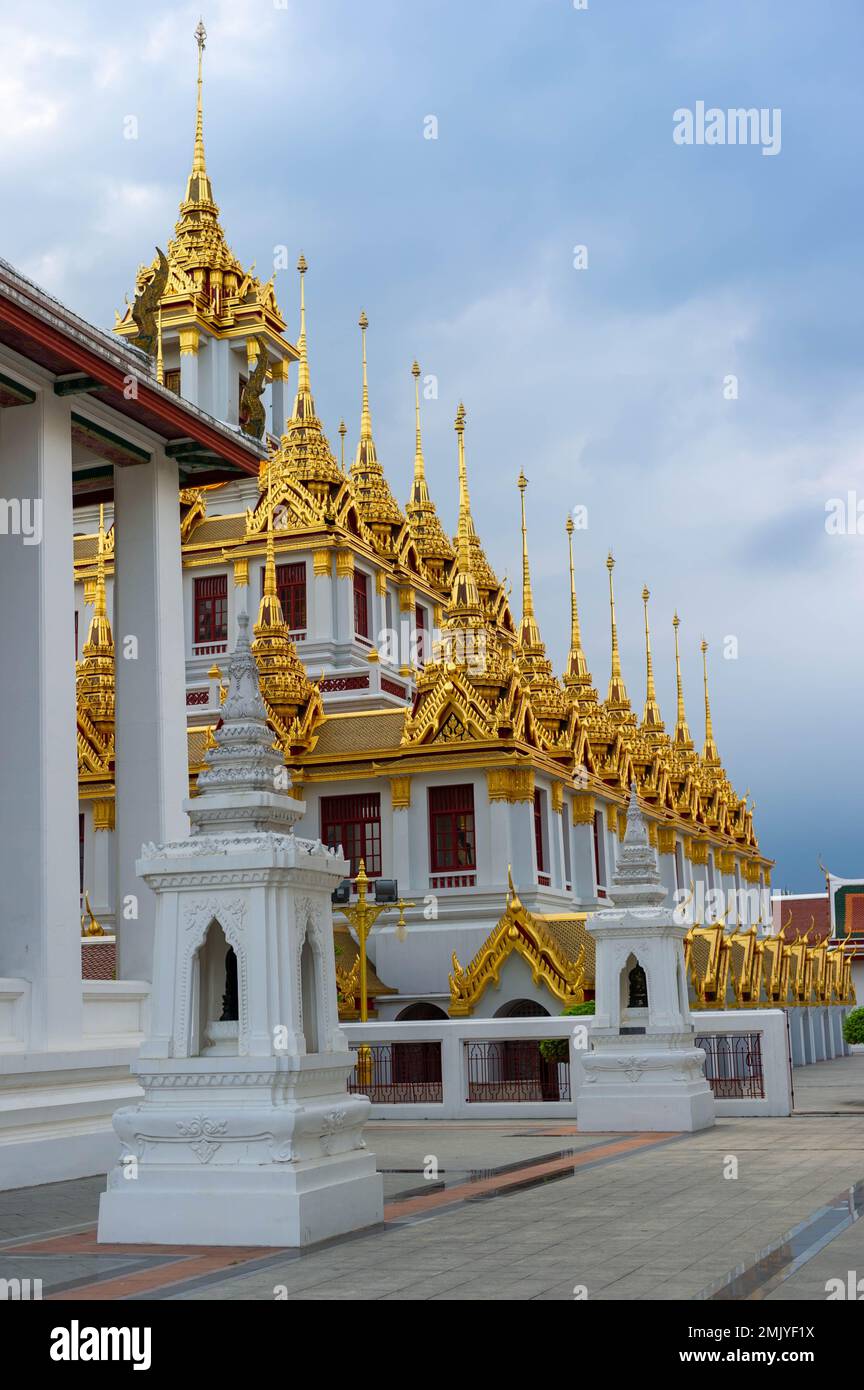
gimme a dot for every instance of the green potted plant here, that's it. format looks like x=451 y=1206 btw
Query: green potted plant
x=853 y=1029
x=558 y=1049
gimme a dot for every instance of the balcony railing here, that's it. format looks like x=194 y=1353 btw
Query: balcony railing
x=514 y=1070
x=437 y=881
x=398 y=1073
x=209 y=648
x=733 y=1065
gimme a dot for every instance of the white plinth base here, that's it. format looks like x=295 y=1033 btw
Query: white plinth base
x=648 y=1088
x=293 y=1207
x=242 y=1151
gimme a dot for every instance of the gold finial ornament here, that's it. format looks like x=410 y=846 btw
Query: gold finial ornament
x=652 y=720
x=304 y=455
x=616 y=697
x=425 y=527
x=529 y=631
x=709 y=752
x=95 y=671
x=375 y=502
x=682 y=732
x=343 y=430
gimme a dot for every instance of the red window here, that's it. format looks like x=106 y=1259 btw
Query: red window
x=354 y=822
x=451 y=828
x=291 y=588
x=211 y=609
x=361 y=604
x=420 y=629
x=80 y=854
x=538 y=830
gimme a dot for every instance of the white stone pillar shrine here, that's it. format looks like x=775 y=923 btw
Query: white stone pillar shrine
x=246 y=1134
x=643 y=1071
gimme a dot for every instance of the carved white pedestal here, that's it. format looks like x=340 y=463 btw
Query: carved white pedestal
x=247 y=1134
x=643 y=1071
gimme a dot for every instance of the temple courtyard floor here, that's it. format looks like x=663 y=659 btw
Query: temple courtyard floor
x=752 y=1209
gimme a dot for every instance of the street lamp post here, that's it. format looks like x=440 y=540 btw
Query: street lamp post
x=363 y=915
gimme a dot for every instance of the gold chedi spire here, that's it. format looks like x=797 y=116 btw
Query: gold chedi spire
x=419 y=490
x=709 y=752
x=303 y=388
x=484 y=575
x=464 y=593
x=427 y=532
x=285 y=686
x=95 y=671
x=529 y=630
x=617 y=697
x=682 y=732
x=652 y=719
x=577 y=672
x=375 y=502
x=304 y=455
x=198 y=188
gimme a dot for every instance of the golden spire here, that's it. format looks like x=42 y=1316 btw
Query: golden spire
x=709 y=752
x=343 y=430
x=95 y=670
x=270 y=616
x=160 y=362
x=464 y=495
x=617 y=694
x=365 y=416
x=303 y=387
x=464 y=594
x=682 y=733
x=198 y=188
x=651 y=716
x=420 y=491
x=577 y=672
x=529 y=631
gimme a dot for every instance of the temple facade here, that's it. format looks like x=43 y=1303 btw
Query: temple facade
x=417 y=716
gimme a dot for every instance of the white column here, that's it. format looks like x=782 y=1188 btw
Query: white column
x=319 y=623
x=40 y=935
x=152 y=769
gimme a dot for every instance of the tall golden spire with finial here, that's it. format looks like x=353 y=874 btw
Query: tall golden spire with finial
x=271 y=619
x=95 y=671
x=427 y=532
x=682 y=732
x=160 y=361
x=198 y=188
x=464 y=594
x=343 y=430
x=375 y=502
x=529 y=631
x=709 y=752
x=617 y=695
x=652 y=719
x=419 y=490
x=365 y=414
x=303 y=386
x=576 y=672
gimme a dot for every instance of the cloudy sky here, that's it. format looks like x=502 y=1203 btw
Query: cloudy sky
x=608 y=384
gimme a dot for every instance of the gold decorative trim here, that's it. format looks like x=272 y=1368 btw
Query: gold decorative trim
x=241 y=572
x=612 y=819
x=666 y=839
x=407 y=599
x=344 y=564
x=622 y=823
x=381 y=582
x=696 y=850
x=400 y=793
x=557 y=798
x=322 y=562
x=512 y=784
x=279 y=370
x=583 y=808
x=103 y=815
x=190 y=341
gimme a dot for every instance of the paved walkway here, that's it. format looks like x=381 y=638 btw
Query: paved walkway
x=756 y=1209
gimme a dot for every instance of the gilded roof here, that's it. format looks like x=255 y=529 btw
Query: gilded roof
x=360 y=732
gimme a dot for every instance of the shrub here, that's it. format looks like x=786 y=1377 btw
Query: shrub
x=558 y=1049
x=853 y=1026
